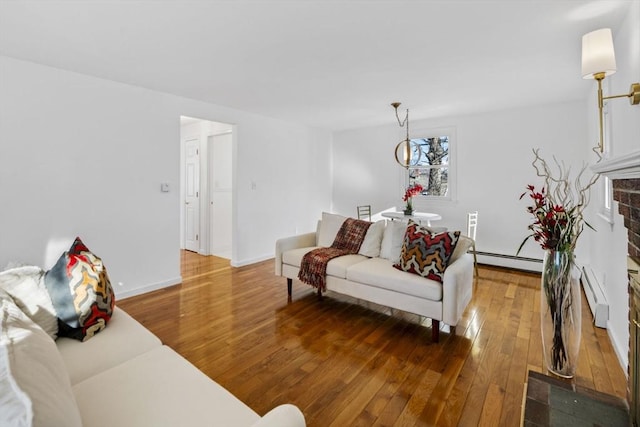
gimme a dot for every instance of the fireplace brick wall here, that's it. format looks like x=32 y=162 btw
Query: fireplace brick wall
x=627 y=193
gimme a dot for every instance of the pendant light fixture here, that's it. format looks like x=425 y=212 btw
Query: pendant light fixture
x=407 y=153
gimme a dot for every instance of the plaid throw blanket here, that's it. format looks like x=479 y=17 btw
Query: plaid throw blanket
x=313 y=269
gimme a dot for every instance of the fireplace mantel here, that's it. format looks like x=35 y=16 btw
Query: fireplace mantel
x=624 y=171
x=620 y=167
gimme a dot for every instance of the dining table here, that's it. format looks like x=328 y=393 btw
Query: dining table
x=419 y=217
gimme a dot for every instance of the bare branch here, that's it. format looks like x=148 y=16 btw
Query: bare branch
x=573 y=195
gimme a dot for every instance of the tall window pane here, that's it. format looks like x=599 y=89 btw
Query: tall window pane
x=432 y=169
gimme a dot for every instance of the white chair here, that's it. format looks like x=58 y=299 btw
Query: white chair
x=364 y=212
x=472 y=224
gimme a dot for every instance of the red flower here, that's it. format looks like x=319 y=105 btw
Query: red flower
x=412 y=190
x=553 y=226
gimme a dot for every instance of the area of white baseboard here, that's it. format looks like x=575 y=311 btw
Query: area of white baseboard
x=509 y=261
x=595 y=296
x=148 y=288
x=249 y=261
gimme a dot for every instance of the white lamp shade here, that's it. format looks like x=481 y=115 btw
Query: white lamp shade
x=597 y=53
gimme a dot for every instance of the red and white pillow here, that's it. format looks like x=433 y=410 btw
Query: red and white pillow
x=74 y=299
x=81 y=292
x=426 y=254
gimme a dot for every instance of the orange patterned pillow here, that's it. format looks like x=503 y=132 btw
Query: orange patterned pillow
x=426 y=254
x=81 y=292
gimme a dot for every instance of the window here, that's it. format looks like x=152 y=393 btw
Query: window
x=607 y=193
x=434 y=168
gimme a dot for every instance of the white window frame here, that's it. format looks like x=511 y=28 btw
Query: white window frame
x=450 y=132
x=606 y=209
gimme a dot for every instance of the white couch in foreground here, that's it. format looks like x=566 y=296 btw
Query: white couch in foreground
x=123 y=376
x=370 y=275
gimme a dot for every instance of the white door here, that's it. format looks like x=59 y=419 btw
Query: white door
x=220 y=185
x=192 y=195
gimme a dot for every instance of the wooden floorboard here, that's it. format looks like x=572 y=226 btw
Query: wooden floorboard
x=345 y=362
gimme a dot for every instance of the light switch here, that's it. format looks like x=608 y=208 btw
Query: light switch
x=164 y=187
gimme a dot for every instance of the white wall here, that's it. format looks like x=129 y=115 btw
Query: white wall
x=609 y=245
x=494 y=167
x=85 y=156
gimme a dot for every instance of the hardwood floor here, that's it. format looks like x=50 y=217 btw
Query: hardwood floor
x=347 y=364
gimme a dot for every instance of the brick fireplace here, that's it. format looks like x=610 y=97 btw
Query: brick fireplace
x=627 y=193
x=625 y=173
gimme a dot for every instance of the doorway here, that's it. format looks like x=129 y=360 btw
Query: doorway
x=220 y=151
x=206 y=186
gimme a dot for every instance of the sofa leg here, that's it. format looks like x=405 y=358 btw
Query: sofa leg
x=289 y=286
x=435 y=330
x=319 y=293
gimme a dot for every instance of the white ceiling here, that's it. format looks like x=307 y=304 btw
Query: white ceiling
x=335 y=64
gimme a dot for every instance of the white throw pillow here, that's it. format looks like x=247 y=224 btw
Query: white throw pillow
x=27 y=289
x=392 y=240
x=464 y=243
x=372 y=240
x=329 y=228
x=35 y=389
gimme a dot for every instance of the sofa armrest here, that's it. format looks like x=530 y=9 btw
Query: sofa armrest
x=457 y=289
x=293 y=242
x=286 y=415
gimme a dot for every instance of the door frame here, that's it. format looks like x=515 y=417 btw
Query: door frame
x=204 y=232
x=209 y=193
x=198 y=198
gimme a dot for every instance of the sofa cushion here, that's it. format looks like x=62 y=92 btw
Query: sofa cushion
x=426 y=254
x=392 y=240
x=372 y=240
x=124 y=339
x=464 y=244
x=337 y=267
x=34 y=386
x=329 y=227
x=294 y=256
x=379 y=272
x=158 y=388
x=81 y=292
x=26 y=286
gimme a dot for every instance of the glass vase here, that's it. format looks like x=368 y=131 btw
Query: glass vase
x=408 y=209
x=560 y=313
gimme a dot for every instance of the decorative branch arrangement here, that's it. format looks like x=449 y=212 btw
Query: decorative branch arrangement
x=558 y=207
x=558 y=222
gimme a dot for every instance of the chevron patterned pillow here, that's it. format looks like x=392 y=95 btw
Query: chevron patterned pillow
x=426 y=254
x=81 y=292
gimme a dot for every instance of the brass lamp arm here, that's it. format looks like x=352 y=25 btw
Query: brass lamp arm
x=634 y=94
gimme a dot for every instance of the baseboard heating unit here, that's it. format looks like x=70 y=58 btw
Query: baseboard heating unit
x=595 y=296
x=510 y=261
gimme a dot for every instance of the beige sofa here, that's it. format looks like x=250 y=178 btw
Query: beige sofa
x=370 y=275
x=123 y=376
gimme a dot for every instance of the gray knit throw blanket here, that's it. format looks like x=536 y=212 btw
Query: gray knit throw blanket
x=313 y=269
